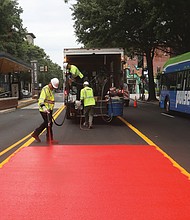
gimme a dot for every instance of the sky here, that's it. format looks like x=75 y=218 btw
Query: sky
x=51 y=23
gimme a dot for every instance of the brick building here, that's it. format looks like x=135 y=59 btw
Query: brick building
x=134 y=73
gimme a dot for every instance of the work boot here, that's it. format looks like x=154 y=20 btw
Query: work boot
x=85 y=124
x=90 y=126
x=36 y=137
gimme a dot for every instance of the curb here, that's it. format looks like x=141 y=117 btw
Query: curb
x=7 y=110
x=21 y=104
x=146 y=102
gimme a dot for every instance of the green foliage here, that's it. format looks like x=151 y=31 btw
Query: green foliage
x=177 y=23
x=12 y=32
x=13 y=41
x=33 y=52
x=140 y=26
x=136 y=25
x=53 y=70
x=96 y=21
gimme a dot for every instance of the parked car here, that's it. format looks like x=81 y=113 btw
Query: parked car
x=25 y=93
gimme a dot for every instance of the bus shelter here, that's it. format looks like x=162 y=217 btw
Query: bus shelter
x=10 y=84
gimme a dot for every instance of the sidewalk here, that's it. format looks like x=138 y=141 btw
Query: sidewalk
x=21 y=103
x=25 y=102
x=138 y=98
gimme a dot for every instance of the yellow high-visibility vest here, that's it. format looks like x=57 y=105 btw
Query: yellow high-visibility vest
x=75 y=72
x=87 y=95
x=46 y=99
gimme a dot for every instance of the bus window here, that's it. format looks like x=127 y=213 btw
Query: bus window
x=163 y=82
x=171 y=81
x=188 y=81
x=180 y=79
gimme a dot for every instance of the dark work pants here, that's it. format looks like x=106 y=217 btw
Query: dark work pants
x=79 y=85
x=45 y=125
x=88 y=114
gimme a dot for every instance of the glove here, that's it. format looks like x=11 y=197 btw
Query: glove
x=77 y=104
x=45 y=110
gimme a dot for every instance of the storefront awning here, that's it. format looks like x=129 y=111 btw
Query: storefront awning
x=10 y=64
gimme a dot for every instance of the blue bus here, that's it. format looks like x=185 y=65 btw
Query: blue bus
x=175 y=84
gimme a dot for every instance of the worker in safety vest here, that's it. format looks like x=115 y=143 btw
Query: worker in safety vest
x=46 y=104
x=73 y=77
x=87 y=97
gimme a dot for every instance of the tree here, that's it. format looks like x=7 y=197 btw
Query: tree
x=12 y=33
x=97 y=22
x=13 y=41
x=176 y=21
x=123 y=24
x=33 y=52
x=140 y=26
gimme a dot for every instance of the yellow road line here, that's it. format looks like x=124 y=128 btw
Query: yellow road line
x=149 y=142
x=57 y=113
x=14 y=145
x=27 y=143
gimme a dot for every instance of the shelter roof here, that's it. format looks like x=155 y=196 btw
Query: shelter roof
x=10 y=64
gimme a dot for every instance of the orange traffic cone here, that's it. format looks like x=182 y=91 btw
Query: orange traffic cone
x=135 y=102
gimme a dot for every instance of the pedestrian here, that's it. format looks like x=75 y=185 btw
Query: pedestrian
x=87 y=97
x=46 y=105
x=73 y=77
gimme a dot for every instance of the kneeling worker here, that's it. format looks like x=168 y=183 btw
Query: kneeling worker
x=87 y=97
x=46 y=105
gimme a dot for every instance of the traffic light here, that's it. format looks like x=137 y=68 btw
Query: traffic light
x=41 y=68
x=45 y=68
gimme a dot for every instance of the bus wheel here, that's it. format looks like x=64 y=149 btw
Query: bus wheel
x=167 y=105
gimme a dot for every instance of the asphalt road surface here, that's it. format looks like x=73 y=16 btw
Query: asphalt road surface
x=169 y=132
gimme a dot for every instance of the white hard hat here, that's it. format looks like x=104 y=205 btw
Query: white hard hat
x=65 y=65
x=55 y=83
x=86 y=83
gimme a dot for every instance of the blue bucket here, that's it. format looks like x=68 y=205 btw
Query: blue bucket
x=115 y=108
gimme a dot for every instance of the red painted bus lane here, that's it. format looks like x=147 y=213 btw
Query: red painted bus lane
x=93 y=182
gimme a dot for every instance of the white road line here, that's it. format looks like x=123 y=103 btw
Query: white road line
x=168 y=115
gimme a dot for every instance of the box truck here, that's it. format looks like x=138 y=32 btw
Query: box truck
x=103 y=69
